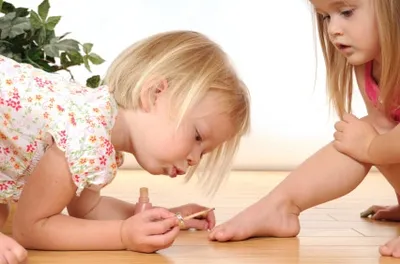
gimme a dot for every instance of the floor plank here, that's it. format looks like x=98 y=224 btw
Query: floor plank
x=331 y=233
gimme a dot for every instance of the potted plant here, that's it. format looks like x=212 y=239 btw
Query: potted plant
x=29 y=36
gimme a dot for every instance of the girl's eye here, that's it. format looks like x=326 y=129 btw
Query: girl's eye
x=347 y=13
x=198 y=137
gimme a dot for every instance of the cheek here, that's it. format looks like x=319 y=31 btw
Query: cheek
x=167 y=144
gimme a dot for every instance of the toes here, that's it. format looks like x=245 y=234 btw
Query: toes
x=385 y=251
x=391 y=249
x=219 y=233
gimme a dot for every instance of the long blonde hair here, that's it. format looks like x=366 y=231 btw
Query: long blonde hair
x=193 y=65
x=339 y=71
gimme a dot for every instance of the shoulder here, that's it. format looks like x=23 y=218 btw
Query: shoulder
x=84 y=135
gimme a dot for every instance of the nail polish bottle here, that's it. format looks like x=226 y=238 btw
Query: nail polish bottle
x=143 y=201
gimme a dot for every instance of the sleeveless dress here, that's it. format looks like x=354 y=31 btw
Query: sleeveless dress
x=38 y=108
x=372 y=91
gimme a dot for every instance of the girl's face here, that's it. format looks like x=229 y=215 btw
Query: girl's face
x=162 y=148
x=352 y=28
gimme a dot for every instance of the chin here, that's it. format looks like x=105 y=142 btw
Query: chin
x=358 y=60
x=154 y=170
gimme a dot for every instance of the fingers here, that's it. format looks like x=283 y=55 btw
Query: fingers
x=340 y=126
x=199 y=224
x=158 y=213
x=211 y=220
x=338 y=135
x=202 y=222
x=10 y=251
x=9 y=257
x=161 y=226
x=349 y=117
x=20 y=253
x=162 y=241
x=386 y=214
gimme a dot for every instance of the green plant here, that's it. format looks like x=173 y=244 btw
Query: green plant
x=28 y=36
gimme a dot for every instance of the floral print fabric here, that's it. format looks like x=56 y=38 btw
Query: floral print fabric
x=38 y=108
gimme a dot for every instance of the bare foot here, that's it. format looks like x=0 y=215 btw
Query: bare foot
x=10 y=251
x=259 y=220
x=391 y=248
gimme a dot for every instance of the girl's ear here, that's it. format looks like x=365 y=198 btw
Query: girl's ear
x=151 y=91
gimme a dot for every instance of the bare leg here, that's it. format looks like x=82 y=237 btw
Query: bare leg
x=10 y=250
x=325 y=176
x=392 y=174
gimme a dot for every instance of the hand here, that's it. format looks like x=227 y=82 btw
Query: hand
x=150 y=230
x=10 y=251
x=206 y=222
x=353 y=137
x=383 y=213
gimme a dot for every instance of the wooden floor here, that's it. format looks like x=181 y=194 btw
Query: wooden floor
x=331 y=233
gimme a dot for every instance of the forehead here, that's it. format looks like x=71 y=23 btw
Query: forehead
x=325 y=5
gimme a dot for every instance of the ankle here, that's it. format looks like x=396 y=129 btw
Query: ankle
x=282 y=203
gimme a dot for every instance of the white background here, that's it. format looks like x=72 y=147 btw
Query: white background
x=271 y=43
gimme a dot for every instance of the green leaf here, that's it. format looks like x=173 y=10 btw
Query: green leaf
x=87 y=47
x=34 y=54
x=1 y=4
x=43 y=9
x=95 y=58
x=9 y=16
x=42 y=36
x=71 y=58
x=86 y=62
x=64 y=35
x=68 y=45
x=21 y=12
x=35 y=19
x=7 y=8
x=52 y=22
x=12 y=27
x=93 y=81
x=19 y=25
x=4 y=24
x=51 y=50
x=50 y=34
x=5 y=32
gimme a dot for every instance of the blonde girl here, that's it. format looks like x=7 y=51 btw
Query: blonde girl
x=173 y=100
x=360 y=37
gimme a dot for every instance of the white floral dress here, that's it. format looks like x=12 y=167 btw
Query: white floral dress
x=37 y=107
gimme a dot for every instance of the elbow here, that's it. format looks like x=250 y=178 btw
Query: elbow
x=21 y=235
x=24 y=233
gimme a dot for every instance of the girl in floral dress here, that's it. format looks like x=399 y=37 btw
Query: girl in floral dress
x=168 y=99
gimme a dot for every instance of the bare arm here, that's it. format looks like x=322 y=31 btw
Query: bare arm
x=385 y=148
x=38 y=223
x=90 y=205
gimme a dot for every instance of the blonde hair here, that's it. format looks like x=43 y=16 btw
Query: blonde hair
x=193 y=65
x=339 y=71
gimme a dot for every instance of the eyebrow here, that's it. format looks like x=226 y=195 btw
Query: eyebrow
x=338 y=3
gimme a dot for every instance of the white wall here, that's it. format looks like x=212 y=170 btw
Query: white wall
x=270 y=42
